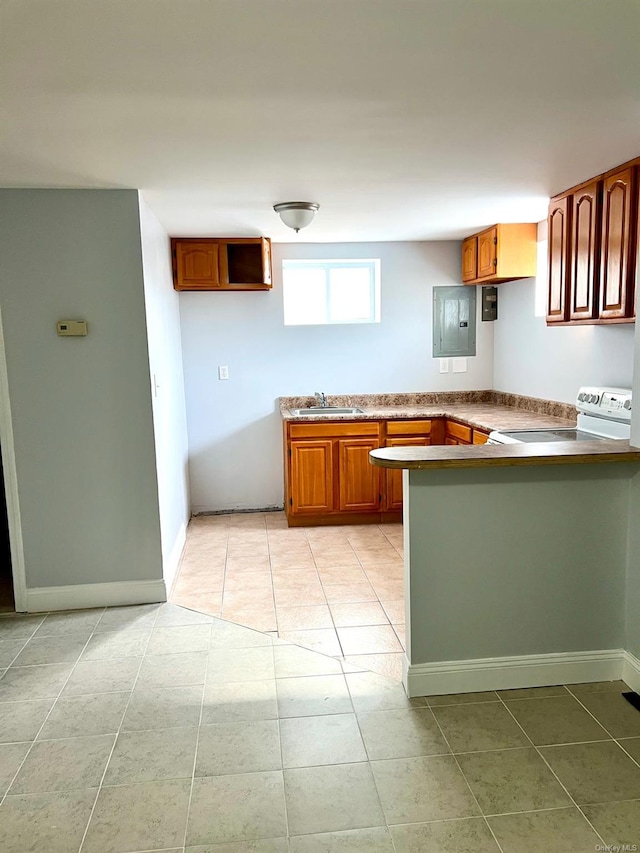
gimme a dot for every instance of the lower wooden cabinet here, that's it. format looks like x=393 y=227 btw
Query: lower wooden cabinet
x=330 y=480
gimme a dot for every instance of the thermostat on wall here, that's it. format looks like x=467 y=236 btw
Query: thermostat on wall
x=72 y=327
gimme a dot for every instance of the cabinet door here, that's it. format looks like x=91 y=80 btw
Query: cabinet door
x=480 y=437
x=393 y=478
x=266 y=260
x=487 y=253
x=196 y=265
x=559 y=247
x=585 y=247
x=618 y=243
x=469 y=258
x=311 y=482
x=359 y=480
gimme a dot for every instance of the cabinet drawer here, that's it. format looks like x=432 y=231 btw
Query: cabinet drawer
x=408 y=427
x=333 y=429
x=480 y=437
x=458 y=431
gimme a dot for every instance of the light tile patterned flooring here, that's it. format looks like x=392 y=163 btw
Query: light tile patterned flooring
x=156 y=728
x=336 y=590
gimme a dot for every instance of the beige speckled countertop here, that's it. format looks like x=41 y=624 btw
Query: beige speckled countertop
x=485 y=410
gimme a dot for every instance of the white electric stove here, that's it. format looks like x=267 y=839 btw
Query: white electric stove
x=603 y=413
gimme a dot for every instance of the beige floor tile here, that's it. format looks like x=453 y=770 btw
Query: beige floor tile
x=389 y=589
x=375 y=840
x=294 y=578
x=322 y=640
x=296 y=560
x=241 y=747
x=252 y=664
x=247 y=598
x=54 y=823
x=372 y=639
x=313 y=695
x=482 y=726
x=632 y=746
x=358 y=614
x=595 y=772
x=470 y=835
x=333 y=798
x=294 y=661
x=556 y=720
x=420 y=789
x=247 y=549
x=135 y=618
x=21 y=721
x=58 y=649
x=512 y=780
x=305 y=617
x=238 y=701
x=248 y=564
x=64 y=765
x=120 y=644
x=461 y=698
x=617 y=823
x=161 y=708
x=207 y=603
x=179 y=670
x=33 y=682
x=237 y=808
x=395 y=610
x=401 y=634
x=171 y=615
x=389 y=665
x=262 y=845
x=149 y=756
x=144 y=816
x=327 y=739
x=228 y=635
x=372 y=692
x=298 y=596
x=613 y=712
x=343 y=574
x=539 y=832
x=335 y=559
x=257 y=618
x=11 y=757
x=83 y=716
x=339 y=593
x=248 y=580
x=402 y=733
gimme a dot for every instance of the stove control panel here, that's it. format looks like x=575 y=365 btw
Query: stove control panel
x=610 y=403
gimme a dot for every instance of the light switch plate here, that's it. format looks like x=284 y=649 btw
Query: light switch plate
x=444 y=365
x=223 y=371
x=73 y=328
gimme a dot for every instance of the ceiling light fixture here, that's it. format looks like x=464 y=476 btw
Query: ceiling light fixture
x=296 y=214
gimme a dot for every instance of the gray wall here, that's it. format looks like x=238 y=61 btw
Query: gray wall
x=537 y=360
x=517 y=561
x=167 y=388
x=235 y=432
x=81 y=407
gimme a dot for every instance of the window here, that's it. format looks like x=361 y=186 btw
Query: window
x=321 y=292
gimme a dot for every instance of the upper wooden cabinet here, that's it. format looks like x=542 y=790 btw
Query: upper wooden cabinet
x=221 y=263
x=500 y=253
x=593 y=250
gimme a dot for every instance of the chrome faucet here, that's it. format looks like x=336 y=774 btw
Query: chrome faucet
x=321 y=399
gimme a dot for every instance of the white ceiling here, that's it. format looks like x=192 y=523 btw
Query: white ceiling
x=404 y=119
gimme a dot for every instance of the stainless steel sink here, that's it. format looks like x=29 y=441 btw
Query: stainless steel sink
x=326 y=410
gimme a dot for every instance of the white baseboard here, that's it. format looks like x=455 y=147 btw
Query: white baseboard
x=631 y=671
x=508 y=673
x=79 y=596
x=170 y=566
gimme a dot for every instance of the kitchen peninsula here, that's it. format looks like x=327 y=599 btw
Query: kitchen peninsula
x=516 y=563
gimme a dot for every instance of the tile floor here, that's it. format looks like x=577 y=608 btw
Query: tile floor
x=156 y=728
x=336 y=590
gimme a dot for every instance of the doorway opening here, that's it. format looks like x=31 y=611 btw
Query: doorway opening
x=7 y=599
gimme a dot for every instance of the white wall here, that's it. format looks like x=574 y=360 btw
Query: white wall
x=235 y=431
x=536 y=360
x=81 y=407
x=167 y=388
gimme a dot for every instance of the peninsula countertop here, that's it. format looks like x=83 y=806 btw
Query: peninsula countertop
x=506 y=455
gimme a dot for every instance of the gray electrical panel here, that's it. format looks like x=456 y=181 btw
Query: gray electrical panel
x=454 y=321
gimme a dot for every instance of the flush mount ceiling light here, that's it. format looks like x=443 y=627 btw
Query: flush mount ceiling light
x=296 y=214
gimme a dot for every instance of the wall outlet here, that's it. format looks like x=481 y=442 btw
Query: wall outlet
x=444 y=365
x=223 y=371
x=459 y=365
